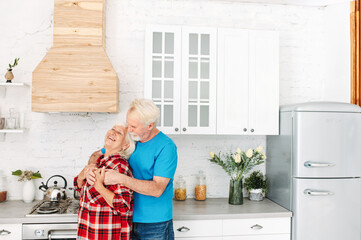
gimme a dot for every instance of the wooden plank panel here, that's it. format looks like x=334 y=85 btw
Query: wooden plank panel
x=81 y=102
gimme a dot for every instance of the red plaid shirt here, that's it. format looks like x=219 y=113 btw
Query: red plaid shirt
x=96 y=219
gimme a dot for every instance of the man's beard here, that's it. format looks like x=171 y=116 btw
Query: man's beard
x=134 y=136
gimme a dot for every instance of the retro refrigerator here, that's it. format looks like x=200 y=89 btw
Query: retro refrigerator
x=314 y=168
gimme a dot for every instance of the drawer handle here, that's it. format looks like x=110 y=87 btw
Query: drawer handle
x=183 y=229
x=5 y=232
x=256 y=227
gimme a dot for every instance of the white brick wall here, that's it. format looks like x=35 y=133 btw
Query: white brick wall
x=61 y=144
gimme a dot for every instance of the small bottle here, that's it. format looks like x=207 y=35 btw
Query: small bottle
x=11 y=121
x=180 y=191
x=200 y=191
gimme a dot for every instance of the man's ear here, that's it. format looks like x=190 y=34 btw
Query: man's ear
x=151 y=126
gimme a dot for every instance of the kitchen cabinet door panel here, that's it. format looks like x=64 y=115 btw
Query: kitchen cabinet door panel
x=263 y=82
x=198 y=96
x=232 y=82
x=163 y=73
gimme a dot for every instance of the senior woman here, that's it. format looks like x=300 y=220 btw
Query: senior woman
x=105 y=212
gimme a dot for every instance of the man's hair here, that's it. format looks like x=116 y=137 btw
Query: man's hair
x=146 y=110
x=127 y=152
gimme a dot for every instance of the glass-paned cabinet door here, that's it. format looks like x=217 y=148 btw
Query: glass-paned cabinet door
x=198 y=108
x=163 y=74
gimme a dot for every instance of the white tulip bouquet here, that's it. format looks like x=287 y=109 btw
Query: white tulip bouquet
x=239 y=163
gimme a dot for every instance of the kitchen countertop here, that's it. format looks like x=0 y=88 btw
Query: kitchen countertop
x=212 y=208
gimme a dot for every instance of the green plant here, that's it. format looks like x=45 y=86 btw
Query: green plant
x=26 y=175
x=239 y=163
x=16 y=61
x=256 y=181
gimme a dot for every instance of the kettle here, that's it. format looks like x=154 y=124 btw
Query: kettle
x=54 y=193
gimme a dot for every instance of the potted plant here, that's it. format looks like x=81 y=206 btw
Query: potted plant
x=257 y=186
x=9 y=74
x=28 y=186
x=237 y=164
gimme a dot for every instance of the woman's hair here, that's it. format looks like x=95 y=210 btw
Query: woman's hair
x=146 y=110
x=127 y=152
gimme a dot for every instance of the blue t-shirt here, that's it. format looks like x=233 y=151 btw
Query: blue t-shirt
x=156 y=157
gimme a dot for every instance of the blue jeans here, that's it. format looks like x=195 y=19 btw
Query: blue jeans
x=153 y=231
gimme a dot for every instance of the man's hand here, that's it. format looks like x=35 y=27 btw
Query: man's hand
x=94 y=157
x=113 y=177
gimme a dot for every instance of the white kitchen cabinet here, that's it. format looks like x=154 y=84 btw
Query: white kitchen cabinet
x=163 y=74
x=247 y=83
x=232 y=229
x=10 y=231
x=198 y=108
x=256 y=226
x=180 y=77
x=260 y=237
x=198 y=229
x=213 y=81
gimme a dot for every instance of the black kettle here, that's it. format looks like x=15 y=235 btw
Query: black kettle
x=54 y=193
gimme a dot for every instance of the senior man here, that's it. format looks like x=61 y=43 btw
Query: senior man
x=154 y=162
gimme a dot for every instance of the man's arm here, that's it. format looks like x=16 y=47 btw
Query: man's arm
x=153 y=187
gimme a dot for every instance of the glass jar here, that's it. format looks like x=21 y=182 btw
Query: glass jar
x=180 y=191
x=200 y=190
x=3 y=184
x=11 y=121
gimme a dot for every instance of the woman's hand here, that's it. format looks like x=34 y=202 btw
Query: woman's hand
x=99 y=176
x=89 y=173
x=83 y=174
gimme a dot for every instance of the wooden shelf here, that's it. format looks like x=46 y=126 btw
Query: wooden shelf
x=12 y=130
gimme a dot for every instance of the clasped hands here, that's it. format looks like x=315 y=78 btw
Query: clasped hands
x=99 y=176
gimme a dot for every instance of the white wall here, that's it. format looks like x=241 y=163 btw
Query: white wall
x=62 y=143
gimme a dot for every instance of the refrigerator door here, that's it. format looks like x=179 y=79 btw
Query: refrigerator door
x=326 y=209
x=326 y=144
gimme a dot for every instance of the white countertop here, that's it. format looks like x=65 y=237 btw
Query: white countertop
x=211 y=208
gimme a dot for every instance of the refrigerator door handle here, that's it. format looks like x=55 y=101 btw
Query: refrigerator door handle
x=311 y=192
x=309 y=164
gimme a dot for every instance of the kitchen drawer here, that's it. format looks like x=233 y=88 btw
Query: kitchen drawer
x=200 y=238
x=256 y=226
x=260 y=237
x=197 y=228
x=10 y=231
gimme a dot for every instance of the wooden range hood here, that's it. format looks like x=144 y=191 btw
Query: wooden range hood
x=76 y=74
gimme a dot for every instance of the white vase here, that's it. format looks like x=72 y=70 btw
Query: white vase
x=28 y=191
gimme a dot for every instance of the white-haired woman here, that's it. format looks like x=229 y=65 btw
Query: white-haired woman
x=105 y=212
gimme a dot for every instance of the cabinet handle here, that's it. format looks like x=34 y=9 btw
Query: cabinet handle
x=184 y=129
x=183 y=229
x=252 y=130
x=256 y=227
x=244 y=129
x=176 y=129
x=4 y=232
